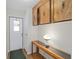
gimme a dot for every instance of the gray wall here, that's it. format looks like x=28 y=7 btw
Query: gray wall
x=30 y=31
x=60 y=33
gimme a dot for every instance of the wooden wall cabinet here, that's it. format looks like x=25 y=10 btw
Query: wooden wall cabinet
x=61 y=10
x=48 y=11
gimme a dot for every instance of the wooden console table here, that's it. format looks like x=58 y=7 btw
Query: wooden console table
x=41 y=46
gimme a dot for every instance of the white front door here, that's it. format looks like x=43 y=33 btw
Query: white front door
x=15 y=33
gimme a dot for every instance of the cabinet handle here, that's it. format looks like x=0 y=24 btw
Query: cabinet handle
x=63 y=4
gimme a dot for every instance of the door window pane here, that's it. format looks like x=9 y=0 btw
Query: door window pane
x=16 y=25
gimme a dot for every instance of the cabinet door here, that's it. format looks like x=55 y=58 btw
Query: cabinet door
x=68 y=9
x=34 y=12
x=44 y=13
x=62 y=10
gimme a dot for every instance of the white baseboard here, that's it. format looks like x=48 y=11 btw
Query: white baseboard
x=29 y=53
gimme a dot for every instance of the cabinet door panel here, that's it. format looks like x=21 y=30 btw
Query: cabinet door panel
x=35 y=22
x=62 y=10
x=44 y=12
x=68 y=9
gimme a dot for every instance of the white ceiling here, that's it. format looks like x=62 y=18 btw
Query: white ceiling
x=20 y=4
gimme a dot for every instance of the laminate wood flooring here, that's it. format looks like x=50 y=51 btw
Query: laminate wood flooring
x=35 y=56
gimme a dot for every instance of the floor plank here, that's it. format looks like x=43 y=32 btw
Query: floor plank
x=35 y=56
